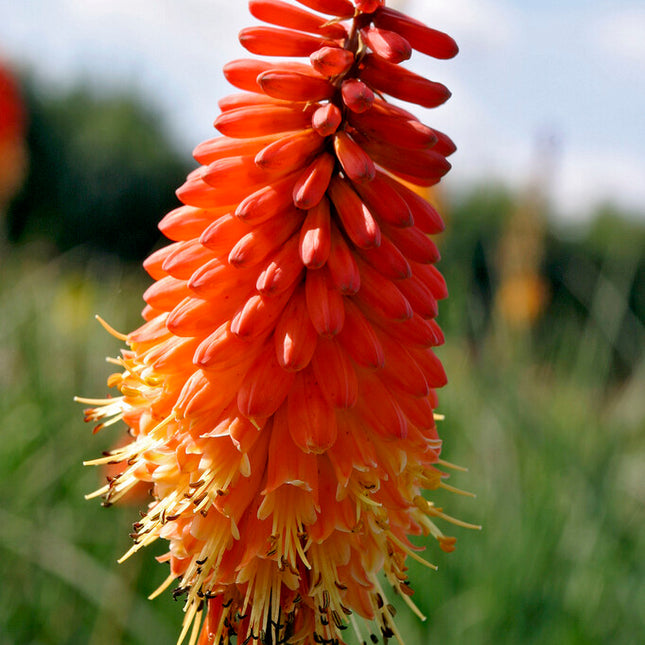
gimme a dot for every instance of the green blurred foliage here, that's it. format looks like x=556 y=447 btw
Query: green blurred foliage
x=597 y=281
x=594 y=273
x=100 y=172
x=57 y=551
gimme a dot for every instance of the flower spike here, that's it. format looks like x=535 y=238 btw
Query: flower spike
x=280 y=395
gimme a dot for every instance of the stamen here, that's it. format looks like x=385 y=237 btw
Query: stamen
x=458 y=491
x=437 y=513
x=411 y=553
x=110 y=330
x=97 y=493
x=99 y=402
x=189 y=619
x=162 y=587
x=447 y=464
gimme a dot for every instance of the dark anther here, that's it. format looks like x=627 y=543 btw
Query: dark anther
x=337 y=620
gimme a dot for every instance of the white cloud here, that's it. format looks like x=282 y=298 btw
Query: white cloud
x=482 y=24
x=621 y=35
x=167 y=50
x=591 y=176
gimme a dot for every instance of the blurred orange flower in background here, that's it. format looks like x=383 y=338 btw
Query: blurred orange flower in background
x=281 y=393
x=13 y=154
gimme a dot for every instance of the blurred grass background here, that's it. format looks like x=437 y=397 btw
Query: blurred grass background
x=545 y=405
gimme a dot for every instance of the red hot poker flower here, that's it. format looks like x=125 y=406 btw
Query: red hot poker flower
x=280 y=395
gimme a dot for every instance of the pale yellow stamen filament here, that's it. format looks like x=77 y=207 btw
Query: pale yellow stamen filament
x=98 y=493
x=190 y=619
x=447 y=464
x=108 y=401
x=220 y=627
x=406 y=549
x=197 y=621
x=433 y=511
x=458 y=491
x=387 y=620
x=162 y=587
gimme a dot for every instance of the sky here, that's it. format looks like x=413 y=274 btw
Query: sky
x=543 y=90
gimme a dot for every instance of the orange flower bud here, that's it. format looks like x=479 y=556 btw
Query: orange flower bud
x=392 y=129
x=313 y=182
x=324 y=303
x=423 y=39
x=258 y=121
x=356 y=95
x=295 y=86
x=312 y=420
x=315 y=236
x=403 y=84
x=355 y=162
x=341 y=8
x=369 y=6
x=283 y=14
x=387 y=44
x=326 y=119
x=357 y=221
x=331 y=61
x=269 y=41
x=291 y=151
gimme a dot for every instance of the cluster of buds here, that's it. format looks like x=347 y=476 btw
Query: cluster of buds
x=281 y=394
